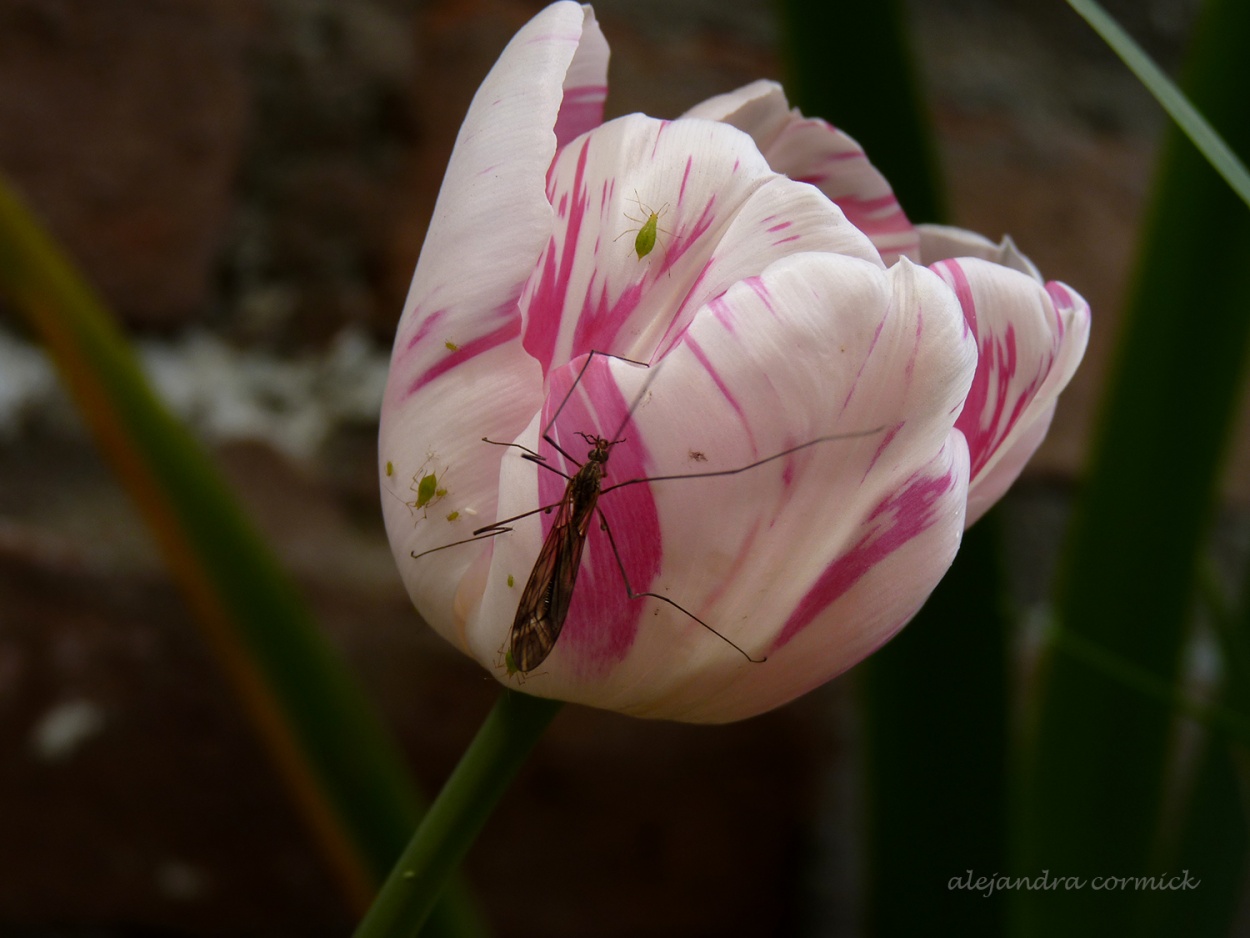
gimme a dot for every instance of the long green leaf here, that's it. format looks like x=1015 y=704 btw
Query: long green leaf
x=1203 y=136
x=343 y=770
x=1094 y=790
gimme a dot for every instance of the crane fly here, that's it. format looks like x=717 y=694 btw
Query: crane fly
x=545 y=600
x=548 y=593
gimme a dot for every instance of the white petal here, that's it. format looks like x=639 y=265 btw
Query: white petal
x=941 y=242
x=458 y=372
x=1030 y=339
x=492 y=217
x=759 y=109
x=720 y=213
x=818 y=344
x=585 y=85
x=810 y=150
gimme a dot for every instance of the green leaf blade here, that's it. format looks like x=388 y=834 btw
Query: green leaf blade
x=342 y=768
x=1095 y=788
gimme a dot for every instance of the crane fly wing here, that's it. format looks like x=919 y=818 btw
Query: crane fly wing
x=545 y=600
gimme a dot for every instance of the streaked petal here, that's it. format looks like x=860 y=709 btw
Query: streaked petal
x=759 y=370
x=497 y=170
x=585 y=84
x=721 y=215
x=941 y=242
x=805 y=423
x=810 y=150
x=458 y=371
x=1030 y=339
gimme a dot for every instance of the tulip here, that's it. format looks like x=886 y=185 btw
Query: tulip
x=754 y=289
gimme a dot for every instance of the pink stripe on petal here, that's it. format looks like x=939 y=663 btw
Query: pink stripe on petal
x=721 y=386
x=760 y=289
x=427 y=327
x=580 y=111
x=685 y=178
x=1062 y=298
x=909 y=371
x=997 y=399
x=601 y=321
x=954 y=275
x=882 y=206
x=505 y=333
x=886 y=440
x=542 y=319
x=893 y=523
x=872 y=347
x=546 y=301
x=681 y=320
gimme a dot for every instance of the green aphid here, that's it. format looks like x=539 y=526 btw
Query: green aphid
x=390 y=468
x=644 y=240
x=644 y=243
x=428 y=487
x=451 y=346
x=511 y=582
x=453 y=516
x=428 y=490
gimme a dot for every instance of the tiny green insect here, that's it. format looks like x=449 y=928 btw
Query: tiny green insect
x=429 y=485
x=451 y=346
x=390 y=468
x=511 y=581
x=649 y=226
x=644 y=243
x=453 y=516
x=428 y=490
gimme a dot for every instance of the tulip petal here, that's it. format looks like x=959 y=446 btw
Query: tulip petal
x=721 y=215
x=497 y=170
x=810 y=150
x=718 y=328
x=460 y=320
x=942 y=242
x=585 y=84
x=852 y=532
x=1030 y=338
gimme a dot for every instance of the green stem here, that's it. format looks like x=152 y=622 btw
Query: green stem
x=453 y=821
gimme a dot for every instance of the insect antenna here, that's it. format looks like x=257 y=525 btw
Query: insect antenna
x=759 y=462
x=629 y=589
x=573 y=387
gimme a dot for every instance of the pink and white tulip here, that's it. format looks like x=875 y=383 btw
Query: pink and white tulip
x=787 y=298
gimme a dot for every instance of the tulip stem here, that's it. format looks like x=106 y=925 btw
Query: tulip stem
x=457 y=814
